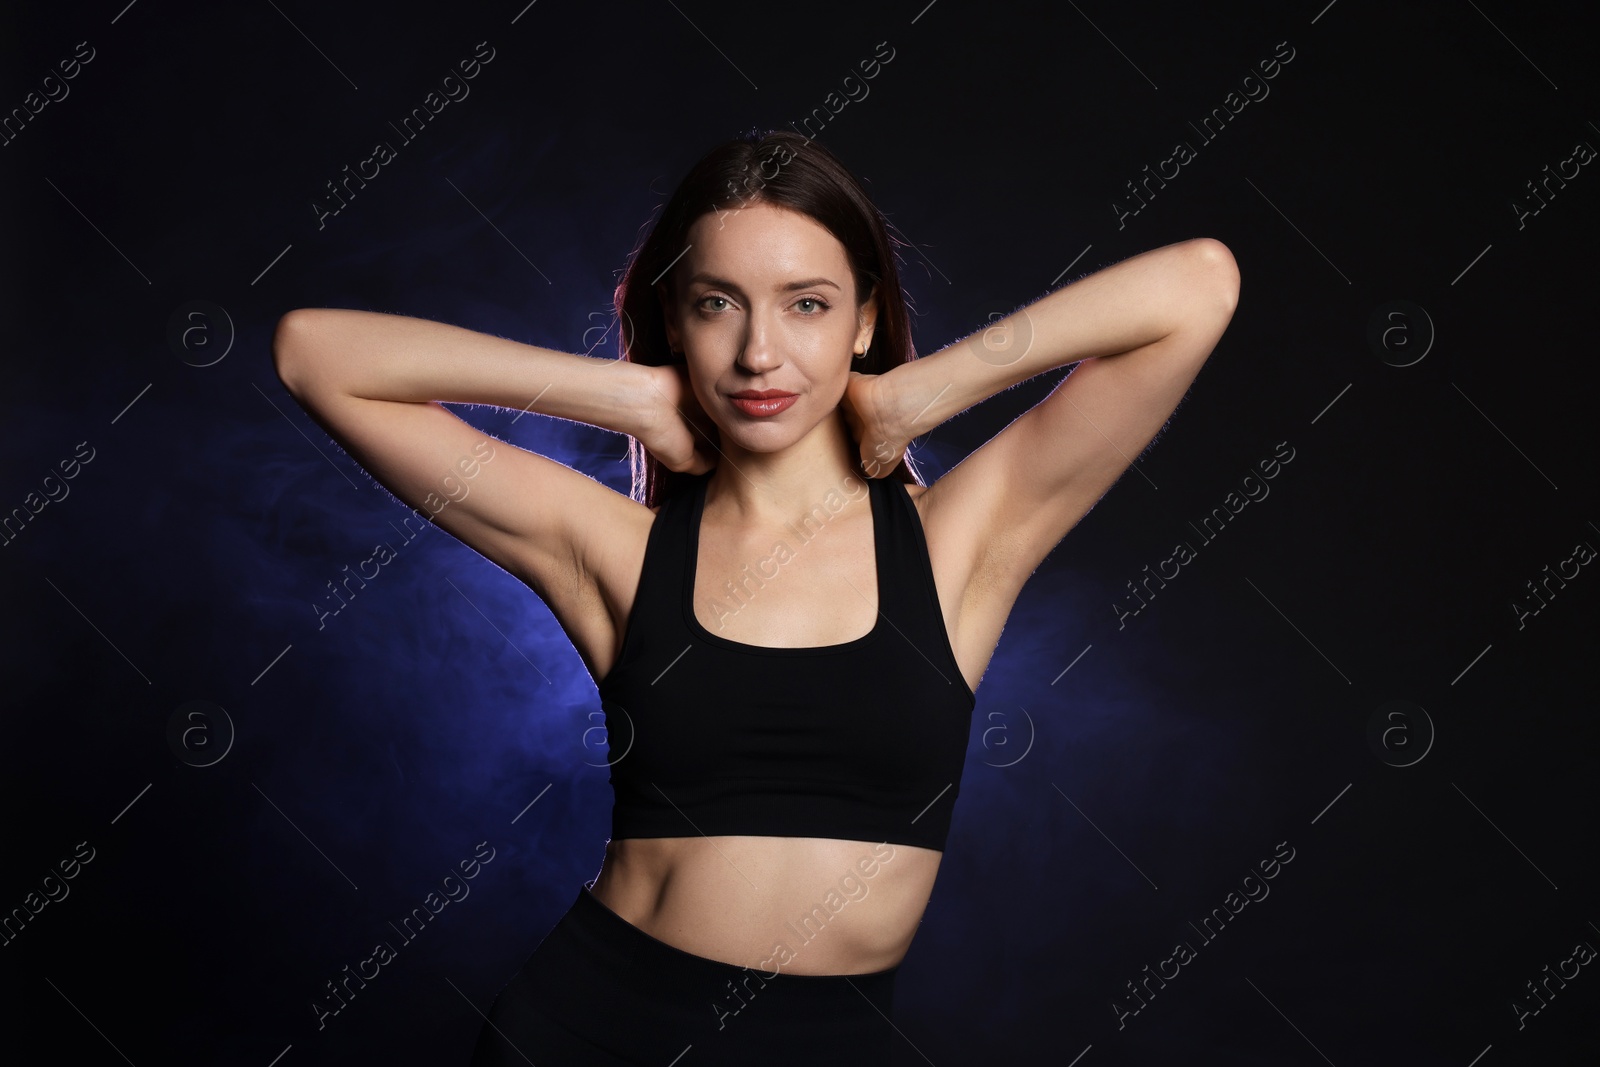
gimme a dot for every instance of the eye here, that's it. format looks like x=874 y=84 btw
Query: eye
x=819 y=305
x=702 y=302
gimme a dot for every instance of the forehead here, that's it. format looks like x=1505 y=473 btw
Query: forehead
x=763 y=243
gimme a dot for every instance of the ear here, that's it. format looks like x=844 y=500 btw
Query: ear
x=867 y=317
x=669 y=316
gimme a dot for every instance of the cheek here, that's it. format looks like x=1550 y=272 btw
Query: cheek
x=700 y=387
x=825 y=347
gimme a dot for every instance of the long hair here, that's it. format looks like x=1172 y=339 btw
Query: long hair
x=782 y=168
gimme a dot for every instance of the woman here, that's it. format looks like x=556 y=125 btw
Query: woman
x=786 y=650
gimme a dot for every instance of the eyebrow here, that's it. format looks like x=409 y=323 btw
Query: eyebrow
x=724 y=283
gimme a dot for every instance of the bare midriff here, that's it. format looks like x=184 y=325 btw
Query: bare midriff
x=799 y=905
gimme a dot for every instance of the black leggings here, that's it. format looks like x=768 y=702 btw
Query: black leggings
x=599 y=991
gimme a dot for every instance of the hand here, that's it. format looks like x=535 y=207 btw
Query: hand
x=678 y=433
x=875 y=422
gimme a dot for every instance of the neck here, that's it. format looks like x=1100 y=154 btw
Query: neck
x=771 y=488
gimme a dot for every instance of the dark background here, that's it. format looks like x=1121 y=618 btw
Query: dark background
x=1104 y=810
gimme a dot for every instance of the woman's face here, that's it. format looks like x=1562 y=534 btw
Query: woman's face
x=765 y=301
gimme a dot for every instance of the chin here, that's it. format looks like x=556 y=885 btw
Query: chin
x=768 y=437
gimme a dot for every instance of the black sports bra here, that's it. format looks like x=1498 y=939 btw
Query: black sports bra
x=864 y=740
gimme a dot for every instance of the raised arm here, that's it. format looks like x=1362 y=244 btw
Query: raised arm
x=375 y=382
x=1139 y=331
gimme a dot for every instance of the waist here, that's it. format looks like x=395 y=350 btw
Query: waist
x=803 y=906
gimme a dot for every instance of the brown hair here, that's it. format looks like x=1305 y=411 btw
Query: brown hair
x=787 y=170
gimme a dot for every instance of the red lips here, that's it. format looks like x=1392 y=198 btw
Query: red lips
x=760 y=403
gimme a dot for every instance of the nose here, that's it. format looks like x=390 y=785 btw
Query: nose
x=760 y=353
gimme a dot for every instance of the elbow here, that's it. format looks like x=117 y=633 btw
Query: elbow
x=289 y=346
x=1219 y=273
